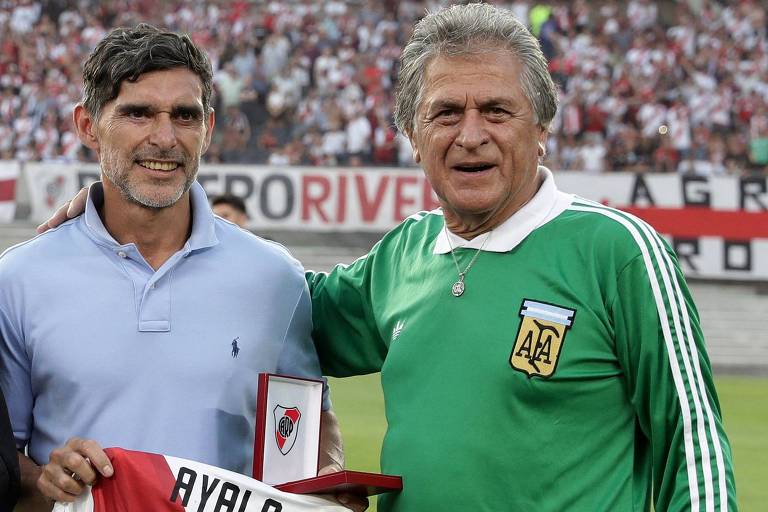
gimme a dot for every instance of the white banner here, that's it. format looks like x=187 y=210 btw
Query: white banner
x=51 y=184
x=319 y=199
x=718 y=225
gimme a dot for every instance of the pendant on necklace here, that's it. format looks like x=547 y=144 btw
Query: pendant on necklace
x=458 y=288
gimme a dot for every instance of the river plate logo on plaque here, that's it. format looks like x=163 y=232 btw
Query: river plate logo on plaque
x=286 y=427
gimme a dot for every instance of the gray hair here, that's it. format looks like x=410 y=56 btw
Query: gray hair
x=127 y=53
x=467 y=30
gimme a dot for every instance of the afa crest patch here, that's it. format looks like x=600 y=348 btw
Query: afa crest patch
x=540 y=337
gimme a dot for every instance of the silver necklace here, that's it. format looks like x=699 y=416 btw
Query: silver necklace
x=458 y=287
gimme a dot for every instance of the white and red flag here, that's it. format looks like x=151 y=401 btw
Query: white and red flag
x=9 y=173
x=148 y=481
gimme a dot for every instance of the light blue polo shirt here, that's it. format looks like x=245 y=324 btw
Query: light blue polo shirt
x=97 y=344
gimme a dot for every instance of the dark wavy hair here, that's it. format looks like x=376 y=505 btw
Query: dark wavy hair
x=127 y=53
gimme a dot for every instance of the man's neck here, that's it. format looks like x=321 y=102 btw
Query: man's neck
x=157 y=233
x=469 y=225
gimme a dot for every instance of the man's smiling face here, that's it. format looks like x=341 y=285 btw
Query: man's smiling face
x=477 y=138
x=151 y=137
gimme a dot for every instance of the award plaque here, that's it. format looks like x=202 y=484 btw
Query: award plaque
x=286 y=449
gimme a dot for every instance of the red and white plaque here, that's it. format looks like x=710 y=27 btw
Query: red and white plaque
x=287 y=446
x=287 y=428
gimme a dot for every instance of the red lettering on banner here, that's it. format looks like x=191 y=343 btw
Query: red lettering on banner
x=309 y=202
x=401 y=200
x=370 y=209
x=341 y=200
x=7 y=190
x=429 y=200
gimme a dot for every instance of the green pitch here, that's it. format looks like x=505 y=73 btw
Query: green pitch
x=744 y=401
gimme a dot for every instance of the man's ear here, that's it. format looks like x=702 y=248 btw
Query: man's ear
x=414 y=146
x=210 y=123
x=542 y=138
x=85 y=125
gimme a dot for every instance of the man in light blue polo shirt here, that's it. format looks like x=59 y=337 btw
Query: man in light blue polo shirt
x=144 y=323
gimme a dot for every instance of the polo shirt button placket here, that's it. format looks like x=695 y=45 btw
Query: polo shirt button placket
x=122 y=254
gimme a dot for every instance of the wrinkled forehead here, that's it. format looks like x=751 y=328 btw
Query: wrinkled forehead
x=464 y=77
x=163 y=89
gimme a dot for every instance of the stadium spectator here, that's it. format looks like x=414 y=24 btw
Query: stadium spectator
x=335 y=141
x=384 y=141
x=592 y=154
x=758 y=144
x=231 y=208
x=666 y=157
x=358 y=136
x=245 y=61
x=229 y=85
x=235 y=135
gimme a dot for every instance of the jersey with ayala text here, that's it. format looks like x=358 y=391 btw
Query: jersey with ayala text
x=152 y=482
x=570 y=374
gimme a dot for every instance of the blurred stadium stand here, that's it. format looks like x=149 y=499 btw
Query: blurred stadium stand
x=667 y=86
x=646 y=86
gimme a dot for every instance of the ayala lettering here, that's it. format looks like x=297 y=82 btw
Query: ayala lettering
x=229 y=497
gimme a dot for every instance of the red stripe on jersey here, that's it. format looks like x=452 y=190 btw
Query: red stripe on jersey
x=146 y=482
x=7 y=190
x=694 y=222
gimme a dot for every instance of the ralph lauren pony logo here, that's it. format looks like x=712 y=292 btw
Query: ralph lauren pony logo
x=235 y=347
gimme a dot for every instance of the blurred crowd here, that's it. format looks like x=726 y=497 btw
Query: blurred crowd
x=645 y=85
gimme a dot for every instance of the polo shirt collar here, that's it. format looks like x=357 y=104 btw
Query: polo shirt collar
x=203 y=225
x=546 y=204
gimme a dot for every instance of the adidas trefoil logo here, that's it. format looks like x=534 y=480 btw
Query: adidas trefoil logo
x=398 y=329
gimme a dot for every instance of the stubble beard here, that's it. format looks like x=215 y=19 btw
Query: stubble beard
x=117 y=170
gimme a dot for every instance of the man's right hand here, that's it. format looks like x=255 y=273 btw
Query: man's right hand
x=68 y=210
x=73 y=466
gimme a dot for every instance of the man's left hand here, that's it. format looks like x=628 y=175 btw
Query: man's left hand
x=351 y=501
